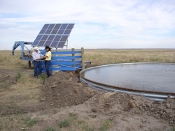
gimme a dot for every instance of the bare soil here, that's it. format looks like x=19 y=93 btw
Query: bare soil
x=63 y=97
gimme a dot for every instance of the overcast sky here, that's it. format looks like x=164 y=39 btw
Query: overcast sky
x=98 y=23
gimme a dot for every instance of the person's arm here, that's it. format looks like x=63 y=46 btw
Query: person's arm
x=34 y=55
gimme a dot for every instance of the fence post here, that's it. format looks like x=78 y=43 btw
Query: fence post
x=73 y=59
x=82 y=55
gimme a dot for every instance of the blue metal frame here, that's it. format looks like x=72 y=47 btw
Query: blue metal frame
x=22 y=45
x=64 y=63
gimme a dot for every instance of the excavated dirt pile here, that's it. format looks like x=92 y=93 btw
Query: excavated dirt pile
x=65 y=89
x=119 y=103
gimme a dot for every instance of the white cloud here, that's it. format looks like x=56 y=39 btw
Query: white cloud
x=98 y=23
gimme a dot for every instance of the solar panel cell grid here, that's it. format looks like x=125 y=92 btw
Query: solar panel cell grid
x=48 y=31
x=45 y=26
x=51 y=26
x=38 y=37
x=67 y=32
x=42 y=31
x=57 y=38
x=64 y=38
x=45 y=37
x=47 y=43
x=57 y=26
x=41 y=43
x=54 y=31
x=63 y=26
x=53 y=35
x=35 y=43
x=60 y=32
x=70 y=26
x=54 y=44
x=61 y=44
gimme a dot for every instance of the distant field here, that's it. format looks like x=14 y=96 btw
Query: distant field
x=101 y=57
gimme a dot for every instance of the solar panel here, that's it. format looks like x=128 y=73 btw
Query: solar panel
x=53 y=35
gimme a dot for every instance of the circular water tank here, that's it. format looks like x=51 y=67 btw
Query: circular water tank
x=153 y=80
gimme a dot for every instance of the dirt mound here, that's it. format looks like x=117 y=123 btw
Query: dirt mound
x=119 y=103
x=65 y=89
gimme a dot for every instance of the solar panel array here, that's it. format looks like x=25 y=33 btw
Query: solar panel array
x=53 y=35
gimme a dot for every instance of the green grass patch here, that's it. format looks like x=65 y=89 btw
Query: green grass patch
x=133 y=60
x=64 y=123
x=18 y=76
x=105 y=126
x=173 y=129
x=43 y=77
x=29 y=122
x=87 y=128
x=50 y=129
x=154 y=59
x=73 y=116
x=4 y=84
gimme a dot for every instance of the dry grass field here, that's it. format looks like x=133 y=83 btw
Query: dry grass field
x=23 y=107
x=100 y=57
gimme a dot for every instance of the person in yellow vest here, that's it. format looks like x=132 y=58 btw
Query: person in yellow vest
x=47 y=57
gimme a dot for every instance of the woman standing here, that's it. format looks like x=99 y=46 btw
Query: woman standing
x=47 y=57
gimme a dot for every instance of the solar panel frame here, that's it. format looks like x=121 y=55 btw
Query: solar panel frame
x=53 y=35
x=63 y=26
x=51 y=26
x=61 y=44
x=38 y=38
x=42 y=31
x=67 y=32
x=64 y=38
x=70 y=26
x=45 y=26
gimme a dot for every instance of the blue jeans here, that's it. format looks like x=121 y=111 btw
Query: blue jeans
x=47 y=65
x=37 y=68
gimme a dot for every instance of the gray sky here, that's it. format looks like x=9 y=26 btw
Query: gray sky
x=98 y=23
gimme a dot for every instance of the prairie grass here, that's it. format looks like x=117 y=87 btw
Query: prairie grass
x=101 y=57
x=8 y=60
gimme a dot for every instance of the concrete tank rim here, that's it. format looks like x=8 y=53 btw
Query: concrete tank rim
x=122 y=88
